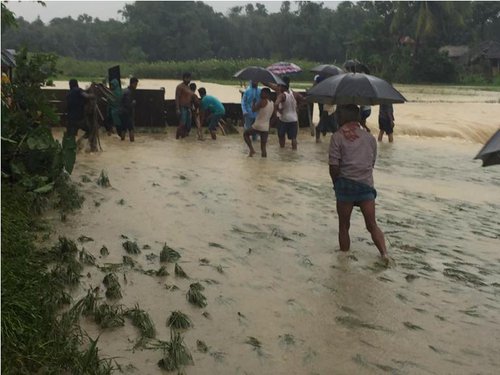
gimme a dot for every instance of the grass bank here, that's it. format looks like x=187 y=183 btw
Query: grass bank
x=37 y=336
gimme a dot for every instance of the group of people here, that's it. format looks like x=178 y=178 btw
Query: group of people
x=328 y=118
x=352 y=150
x=192 y=109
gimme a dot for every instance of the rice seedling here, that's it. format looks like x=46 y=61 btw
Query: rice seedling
x=169 y=255
x=124 y=236
x=146 y=247
x=197 y=286
x=112 y=284
x=121 y=202
x=179 y=320
x=83 y=239
x=103 y=180
x=219 y=269
x=151 y=257
x=97 y=204
x=68 y=274
x=104 y=251
x=253 y=342
x=206 y=314
x=202 y=347
x=179 y=272
x=162 y=271
x=131 y=247
x=87 y=258
x=128 y=261
x=64 y=250
x=175 y=354
x=195 y=297
x=89 y=359
x=109 y=316
x=204 y=261
x=86 y=178
x=141 y=320
x=171 y=287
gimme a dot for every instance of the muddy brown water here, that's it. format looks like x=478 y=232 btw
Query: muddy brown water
x=271 y=226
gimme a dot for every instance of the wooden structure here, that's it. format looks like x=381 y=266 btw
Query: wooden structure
x=152 y=110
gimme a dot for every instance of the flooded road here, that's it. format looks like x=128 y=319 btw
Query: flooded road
x=261 y=236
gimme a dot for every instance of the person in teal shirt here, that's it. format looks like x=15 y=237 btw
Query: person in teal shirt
x=212 y=110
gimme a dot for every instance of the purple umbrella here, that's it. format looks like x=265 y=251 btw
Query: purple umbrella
x=284 y=68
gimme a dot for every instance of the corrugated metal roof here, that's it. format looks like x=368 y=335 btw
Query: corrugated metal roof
x=9 y=58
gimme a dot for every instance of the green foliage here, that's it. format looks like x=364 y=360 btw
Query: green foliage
x=195 y=296
x=36 y=338
x=175 y=354
x=179 y=320
x=141 y=320
x=131 y=247
x=169 y=255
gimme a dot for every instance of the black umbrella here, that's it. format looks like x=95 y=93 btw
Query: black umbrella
x=354 y=88
x=258 y=74
x=326 y=70
x=490 y=153
x=356 y=66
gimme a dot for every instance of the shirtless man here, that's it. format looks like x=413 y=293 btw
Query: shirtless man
x=183 y=98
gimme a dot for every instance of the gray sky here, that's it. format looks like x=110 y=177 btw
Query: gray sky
x=104 y=10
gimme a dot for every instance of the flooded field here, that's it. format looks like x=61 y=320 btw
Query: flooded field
x=261 y=236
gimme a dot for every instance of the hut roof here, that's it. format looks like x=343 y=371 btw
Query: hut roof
x=455 y=51
x=9 y=58
x=489 y=49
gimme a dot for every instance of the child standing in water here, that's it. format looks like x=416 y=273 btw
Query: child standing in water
x=386 y=122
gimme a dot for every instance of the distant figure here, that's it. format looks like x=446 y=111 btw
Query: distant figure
x=195 y=111
x=115 y=106
x=352 y=155
x=327 y=122
x=212 y=111
x=386 y=122
x=183 y=98
x=128 y=110
x=76 y=120
x=249 y=98
x=286 y=107
x=365 y=112
x=317 y=79
x=264 y=109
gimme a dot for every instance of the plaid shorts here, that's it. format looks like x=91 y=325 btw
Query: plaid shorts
x=347 y=190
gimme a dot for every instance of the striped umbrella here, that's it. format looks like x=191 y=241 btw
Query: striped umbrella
x=284 y=68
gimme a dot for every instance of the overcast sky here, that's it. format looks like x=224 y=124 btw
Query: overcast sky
x=104 y=10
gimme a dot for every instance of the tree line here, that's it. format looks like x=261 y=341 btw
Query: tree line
x=399 y=40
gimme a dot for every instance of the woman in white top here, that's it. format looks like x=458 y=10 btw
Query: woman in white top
x=265 y=109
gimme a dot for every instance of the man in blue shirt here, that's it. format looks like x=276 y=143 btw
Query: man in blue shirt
x=250 y=97
x=212 y=110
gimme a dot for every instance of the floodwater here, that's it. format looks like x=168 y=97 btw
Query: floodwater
x=270 y=224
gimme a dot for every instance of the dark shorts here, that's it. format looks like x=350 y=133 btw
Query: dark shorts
x=327 y=124
x=385 y=125
x=127 y=122
x=287 y=128
x=347 y=190
x=365 y=114
x=263 y=135
x=213 y=121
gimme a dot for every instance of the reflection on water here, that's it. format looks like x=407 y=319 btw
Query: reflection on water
x=261 y=236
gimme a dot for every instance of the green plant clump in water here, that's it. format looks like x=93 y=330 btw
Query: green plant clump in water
x=179 y=272
x=202 y=347
x=169 y=255
x=108 y=316
x=104 y=251
x=87 y=258
x=131 y=247
x=103 y=180
x=195 y=297
x=142 y=320
x=162 y=271
x=179 y=320
x=175 y=354
x=128 y=261
x=112 y=284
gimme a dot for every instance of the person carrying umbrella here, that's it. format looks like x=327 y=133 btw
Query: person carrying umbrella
x=352 y=155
